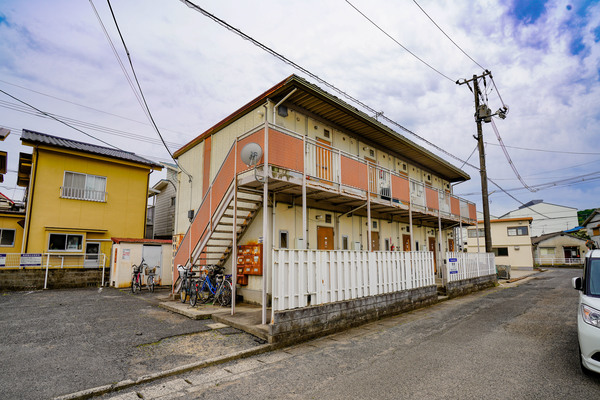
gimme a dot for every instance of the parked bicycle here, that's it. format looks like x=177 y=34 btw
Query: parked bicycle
x=185 y=281
x=151 y=273
x=214 y=286
x=136 y=279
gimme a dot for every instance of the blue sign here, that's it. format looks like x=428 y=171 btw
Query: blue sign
x=453 y=260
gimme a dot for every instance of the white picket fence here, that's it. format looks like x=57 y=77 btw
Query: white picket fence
x=469 y=265
x=311 y=277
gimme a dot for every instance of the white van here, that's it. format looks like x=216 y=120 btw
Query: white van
x=588 y=313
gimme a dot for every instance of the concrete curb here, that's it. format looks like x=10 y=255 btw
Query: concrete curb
x=128 y=383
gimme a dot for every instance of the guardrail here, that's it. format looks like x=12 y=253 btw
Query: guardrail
x=461 y=266
x=557 y=261
x=310 y=277
x=49 y=261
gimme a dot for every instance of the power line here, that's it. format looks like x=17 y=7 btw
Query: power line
x=58 y=120
x=142 y=93
x=398 y=43
x=84 y=106
x=548 y=151
x=449 y=38
x=83 y=124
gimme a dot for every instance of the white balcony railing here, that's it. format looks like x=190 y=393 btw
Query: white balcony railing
x=82 y=194
x=558 y=261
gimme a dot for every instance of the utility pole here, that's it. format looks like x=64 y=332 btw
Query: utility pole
x=482 y=112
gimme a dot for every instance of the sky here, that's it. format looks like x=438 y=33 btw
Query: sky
x=544 y=57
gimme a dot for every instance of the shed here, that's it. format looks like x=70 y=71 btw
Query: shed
x=127 y=252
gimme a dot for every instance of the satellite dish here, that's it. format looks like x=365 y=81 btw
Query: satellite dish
x=251 y=154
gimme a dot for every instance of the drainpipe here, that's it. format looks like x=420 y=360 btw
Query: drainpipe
x=266 y=249
x=337 y=222
x=28 y=213
x=278 y=104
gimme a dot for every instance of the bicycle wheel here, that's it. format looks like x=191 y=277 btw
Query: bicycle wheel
x=225 y=295
x=133 y=285
x=150 y=283
x=194 y=294
x=204 y=293
x=185 y=287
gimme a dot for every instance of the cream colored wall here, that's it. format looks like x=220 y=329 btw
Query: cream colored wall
x=189 y=194
x=519 y=247
x=121 y=271
x=559 y=243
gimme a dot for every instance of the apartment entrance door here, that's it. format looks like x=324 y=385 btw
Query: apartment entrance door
x=432 y=248
x=324 y=238
x=405 y=242
x=374 y=241
x=451 y=245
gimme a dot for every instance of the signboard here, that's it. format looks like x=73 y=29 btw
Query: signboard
x=2 y=260
x=31 y=260
x=126 y=254
x=453 y=265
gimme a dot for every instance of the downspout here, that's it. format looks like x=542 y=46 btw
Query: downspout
x=266 y=249
x=30 y=202
x=146 y=205
x=337 y=223
x=278 y=104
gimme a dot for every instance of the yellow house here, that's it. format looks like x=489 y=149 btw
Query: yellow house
x=80 y=195
x=12 y=220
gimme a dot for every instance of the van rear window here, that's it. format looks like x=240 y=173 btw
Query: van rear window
x=594 y=277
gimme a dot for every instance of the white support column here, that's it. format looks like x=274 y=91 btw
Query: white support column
x=234 y=233
x=266 y=249
x=304 y=214
x=369 y=225
x=410 y=225
x=440 y=244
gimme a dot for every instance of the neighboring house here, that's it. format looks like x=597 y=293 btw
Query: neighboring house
x=337 y=179
x=12 y=221
x=79 y=195
x=511 y=241
x=558 y=248
x=592 y=225
x=161 y=215
x=547 y=218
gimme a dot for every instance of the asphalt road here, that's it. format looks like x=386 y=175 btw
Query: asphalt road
x=61 y=341
x=516 y=342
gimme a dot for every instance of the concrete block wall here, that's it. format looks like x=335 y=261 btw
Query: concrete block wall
x=30 y=279
x=306 y=323
x=466 y=286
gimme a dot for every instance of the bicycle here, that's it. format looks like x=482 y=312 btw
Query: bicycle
x=151 y=273
x=185 y=286
x=136 y=279
x=214 y=286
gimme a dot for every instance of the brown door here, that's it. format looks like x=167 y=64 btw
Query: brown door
x=324 y=161
x=432 y=248
x=405 y=242
x=374 y=241
x=324 y=238
x=451 y=245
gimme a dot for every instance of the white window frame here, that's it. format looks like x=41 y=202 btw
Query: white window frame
x=514 y=231
x=472 y=233
x=287 y=239
x=80 y=250
x=13 y=240
x=85 y=193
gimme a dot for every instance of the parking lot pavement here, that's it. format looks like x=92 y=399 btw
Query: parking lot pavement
x=61 y=341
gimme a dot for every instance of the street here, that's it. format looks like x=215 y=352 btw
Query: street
x=516 y=342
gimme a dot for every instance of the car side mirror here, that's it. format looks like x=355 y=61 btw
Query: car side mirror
x=577 y=283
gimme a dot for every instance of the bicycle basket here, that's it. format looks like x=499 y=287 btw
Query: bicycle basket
x=136 y=269
x=149 y=270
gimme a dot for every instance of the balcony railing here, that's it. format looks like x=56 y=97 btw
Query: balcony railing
x=67 y=192
x=558 y=261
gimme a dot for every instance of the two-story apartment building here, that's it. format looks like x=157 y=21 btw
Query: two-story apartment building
x=80 y=195
x=322 y=176
x=161 y=214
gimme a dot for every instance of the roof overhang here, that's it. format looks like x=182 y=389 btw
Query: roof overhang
x=315 y=101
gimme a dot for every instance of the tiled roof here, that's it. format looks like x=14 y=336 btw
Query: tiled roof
x=42 y=138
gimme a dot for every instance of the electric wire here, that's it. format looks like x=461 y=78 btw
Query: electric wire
x=87 y=125
x=332 y=87
x=548 y=151
x=62 y=122
x=149 y=114
x=397 y=42
x=510 y=162
x=449 y=38
x=84 y=106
